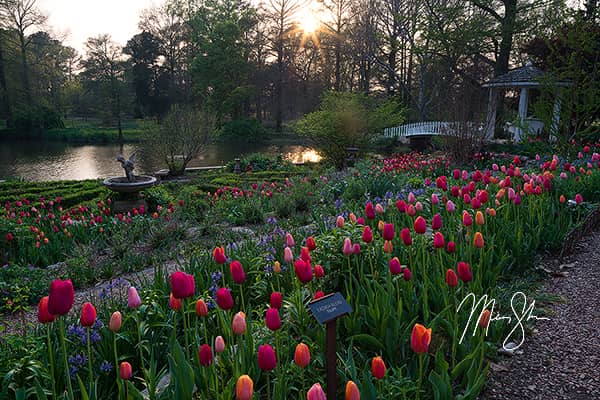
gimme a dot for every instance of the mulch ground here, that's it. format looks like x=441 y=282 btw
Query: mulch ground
x=561 y=359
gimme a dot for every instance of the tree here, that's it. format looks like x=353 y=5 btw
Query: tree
x=104 y=73
x=21 y=15
x=221 y=70
x=150 y=78
x=280 y=14
x=181 y=136
x=347 y=119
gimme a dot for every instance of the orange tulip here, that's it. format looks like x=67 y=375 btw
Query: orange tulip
x=125 y=370
x=420 y=339
x=277 y=267
x=302 y=355
x=201 y=308
x=478 y=240
x=479 y=219
x=116 y=320
x=244 y=388
x=352 y=392
x=484 y=319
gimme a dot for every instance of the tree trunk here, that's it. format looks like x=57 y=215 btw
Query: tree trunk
x=25 y=68
x=338 y=52
x=6 y=112
x=506 y=34
x=279 y=88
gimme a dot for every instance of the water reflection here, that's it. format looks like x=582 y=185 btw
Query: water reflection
x=55 y=161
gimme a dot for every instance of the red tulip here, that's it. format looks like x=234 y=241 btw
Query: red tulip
x=44 y=315
x=219 y=255
x=272 y=319
x=367 y=235
x=206 y=355
x=244 y=388
x=302 y=355
x=61 y=297
x=318 y=295
x=174 y=303
x=201 y=308
x=9 y=237
x=237 y=272
x=388 y=232
x=125 y=370
x=406 y=237
x=303 y=271
x=276 y=300
x=401 y=206
x=578 y=198
x=395 y=266
x=420 y=339
x=467 y=220
x=464 y=271
x=420 y=225
x=224 y=299
x=316 y=392
x=370 y=211
x=352 y=392
x=319 y=271
x=266 y=358
x=305 y=255
x=182 y=285
x=378 y=367
x=406 y=273
x=438 y=240
x=436 y=222
x=88 y=315
x=451 y=247
x=356 y=248
x=451 y=278
x=310 y=243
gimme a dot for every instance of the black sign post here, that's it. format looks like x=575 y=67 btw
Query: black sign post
x=327 y=310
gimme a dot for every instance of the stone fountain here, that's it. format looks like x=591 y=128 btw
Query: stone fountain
x=129 y=185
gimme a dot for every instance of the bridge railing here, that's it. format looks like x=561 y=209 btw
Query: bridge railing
x=426 y=128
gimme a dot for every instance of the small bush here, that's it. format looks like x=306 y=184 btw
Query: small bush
x=283 y=205
x=243 y=130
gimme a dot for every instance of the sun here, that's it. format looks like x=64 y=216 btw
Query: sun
x=308 y=21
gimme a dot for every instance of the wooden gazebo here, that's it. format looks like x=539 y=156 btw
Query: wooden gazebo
x=524 y=78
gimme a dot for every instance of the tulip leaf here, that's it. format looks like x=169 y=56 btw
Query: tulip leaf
x=39 y=390
x=368 y=341
x=182 y=373
x=133 y=393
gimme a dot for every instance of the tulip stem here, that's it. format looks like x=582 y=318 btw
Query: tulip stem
x=139 y=332
x=61 y=331
x=268 y=386
x=119 y=387
x=51 y=361
x=185 y=330
x=421 y=355
x=302 y=387
x=89 y=349
x=242 y=297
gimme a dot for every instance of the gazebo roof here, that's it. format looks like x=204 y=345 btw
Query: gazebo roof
x=527 y=75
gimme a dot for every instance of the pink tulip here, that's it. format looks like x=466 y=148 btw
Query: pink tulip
x=347 y=250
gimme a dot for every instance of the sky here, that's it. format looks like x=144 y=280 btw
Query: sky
x=77 y=20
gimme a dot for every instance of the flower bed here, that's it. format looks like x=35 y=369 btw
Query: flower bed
x=233 y=321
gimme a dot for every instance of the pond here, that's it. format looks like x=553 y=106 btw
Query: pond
x=48 y=161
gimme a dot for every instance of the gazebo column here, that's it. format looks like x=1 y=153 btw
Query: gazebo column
x=522 y=113
x=490 y=122
x=555 y=116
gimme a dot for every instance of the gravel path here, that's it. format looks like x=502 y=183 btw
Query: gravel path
x=562 y=358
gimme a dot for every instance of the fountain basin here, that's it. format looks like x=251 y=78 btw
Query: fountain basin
x=122 y=185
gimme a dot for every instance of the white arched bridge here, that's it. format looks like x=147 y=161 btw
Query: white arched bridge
x=426 y=128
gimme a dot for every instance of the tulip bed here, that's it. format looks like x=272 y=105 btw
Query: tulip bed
x=404 y=250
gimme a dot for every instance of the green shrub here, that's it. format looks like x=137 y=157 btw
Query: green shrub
x=283 y=205
x=36 y=117
x=245 y=130
x=157 y=196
